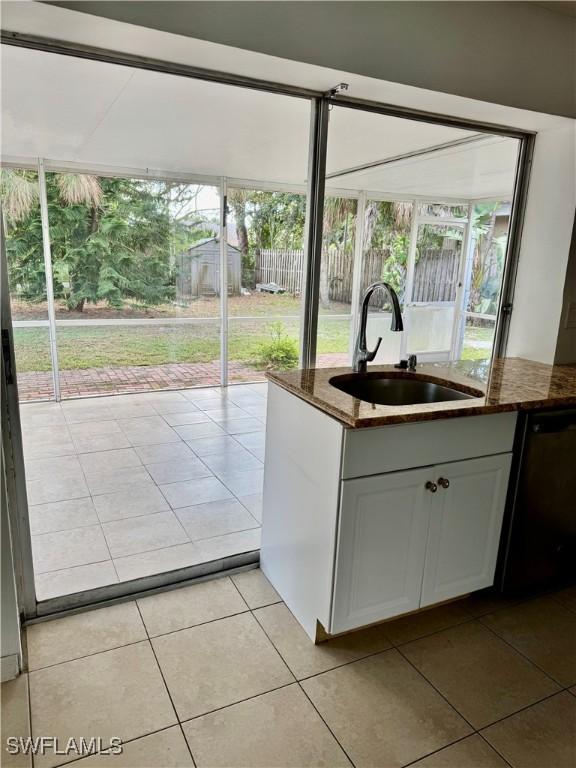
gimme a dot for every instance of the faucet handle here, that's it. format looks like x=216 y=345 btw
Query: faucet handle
x=370 y=355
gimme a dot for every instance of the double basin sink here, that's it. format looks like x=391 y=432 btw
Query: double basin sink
x=398 y=389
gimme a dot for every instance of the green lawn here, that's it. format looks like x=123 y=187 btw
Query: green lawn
x=114 y=346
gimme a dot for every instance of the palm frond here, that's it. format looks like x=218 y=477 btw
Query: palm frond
x=79 y=189
x=19 y=193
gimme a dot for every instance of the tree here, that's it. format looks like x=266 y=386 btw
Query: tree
x=112 y=239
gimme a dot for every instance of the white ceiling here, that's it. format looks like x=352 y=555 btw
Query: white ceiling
x=74 y=110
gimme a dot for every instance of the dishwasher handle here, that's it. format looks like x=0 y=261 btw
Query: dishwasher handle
x=557 y=421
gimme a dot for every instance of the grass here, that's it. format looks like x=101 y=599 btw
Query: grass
x=81 y=348
x=104 y=346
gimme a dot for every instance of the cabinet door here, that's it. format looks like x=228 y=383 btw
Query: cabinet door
x=465 y=526
x=381 y=546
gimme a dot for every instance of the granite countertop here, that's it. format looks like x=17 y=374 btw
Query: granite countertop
x=509 y=384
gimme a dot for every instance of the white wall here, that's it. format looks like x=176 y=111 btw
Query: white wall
x=539 y=292
x=546 y=241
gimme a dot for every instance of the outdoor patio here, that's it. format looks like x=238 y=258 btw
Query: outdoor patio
x=127 y=486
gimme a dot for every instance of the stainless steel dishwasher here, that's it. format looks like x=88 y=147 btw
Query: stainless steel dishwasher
x=538 y=546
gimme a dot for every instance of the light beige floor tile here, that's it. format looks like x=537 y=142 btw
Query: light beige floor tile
x=253 y=504
x=48 y=469
x=189 y=606
x=178 y=406
x=45 y=442
x=154 y=454
x=256 y=589
x=567 y=597
x=215 y=518
x=383 y=712
x=116 y=693
x=175 y=472
x=191 y=492
x=140 y=534
x=70 y=580
x=15 y=720
x=206 y=446
x=34 y=415
x=87 y=409
x=66 y=549
x=193 y=431
x=117 y=478
x=280 y=729
x=62 y=515
x=306 y=659
x=481 y=676
x=230 y=544
x=106 y=442
x=94 y=429
x=471 y=752
x=185 y=416
x=543 y=735
x=482 y=603
x=104 y=461
x=130 y=502
x=132 y=410
x=426 y=622
x=542 y=630
x=218 y=664
x=157 y=561
x=245 y=483
x=150 y=430
x=165 y=749
x=56 y=488
x=72 y=637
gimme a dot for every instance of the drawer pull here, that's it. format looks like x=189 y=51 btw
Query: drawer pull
x=444 y=482
x=430 y=486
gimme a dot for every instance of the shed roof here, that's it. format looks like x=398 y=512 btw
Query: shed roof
x=205 y=240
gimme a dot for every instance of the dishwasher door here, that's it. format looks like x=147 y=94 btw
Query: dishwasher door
x=539 y=544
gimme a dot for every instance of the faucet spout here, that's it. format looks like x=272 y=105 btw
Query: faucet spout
x=362 y=355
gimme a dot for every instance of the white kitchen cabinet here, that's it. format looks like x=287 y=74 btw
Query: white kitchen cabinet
x=465 y=525
x=381 y=547
x=351 y=535
x=407 y=540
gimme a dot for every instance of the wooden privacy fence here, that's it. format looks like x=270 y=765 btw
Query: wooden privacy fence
x=435 y=274
x=285 y=269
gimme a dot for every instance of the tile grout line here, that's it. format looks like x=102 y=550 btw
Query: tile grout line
x=151 y=644
x=485 y=740
x=107 y=751
x=484 y=727
x=431 y=684
x=520 y=653
x=98 y=516
x=440 y=749
x=297 y=681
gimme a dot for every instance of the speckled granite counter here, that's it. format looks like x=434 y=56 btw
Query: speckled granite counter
x=510 y=384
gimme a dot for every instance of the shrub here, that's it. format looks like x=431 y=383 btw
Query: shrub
x=280 y=352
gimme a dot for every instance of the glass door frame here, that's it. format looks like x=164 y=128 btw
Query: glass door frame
x=320 y=105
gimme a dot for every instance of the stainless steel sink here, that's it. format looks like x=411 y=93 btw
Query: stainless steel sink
x=383 y=389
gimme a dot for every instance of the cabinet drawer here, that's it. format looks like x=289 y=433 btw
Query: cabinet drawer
x=377 y=450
